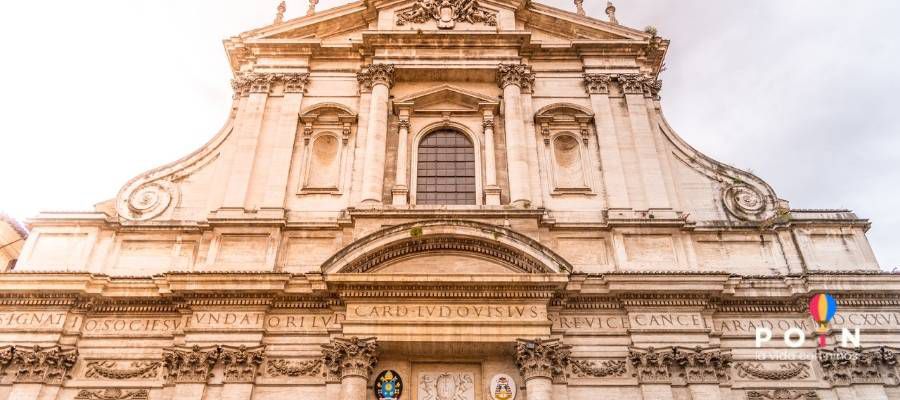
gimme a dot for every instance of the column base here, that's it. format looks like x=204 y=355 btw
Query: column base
x=492 y=196
x=400 y=195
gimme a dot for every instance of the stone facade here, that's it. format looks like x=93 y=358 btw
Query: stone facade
x=482 y=197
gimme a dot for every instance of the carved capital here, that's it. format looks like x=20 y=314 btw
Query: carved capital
x=515 y=74
x=403 y=124
x=488 y=124
x=541 y=358
x=295 y=82
x=111 y=370
x=253 y=82
x=112 y=394
x=844 y=367
x=640 y=84
x=703 y=365
x=375 y=74
x=597 y=83
x=350 y=357
x=281 y=367
x=190 y=365
x=242 y=363
x=652 y=366
x=782 y=394
x=47 y=365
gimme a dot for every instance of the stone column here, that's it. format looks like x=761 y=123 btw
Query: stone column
x=491 y=189
x=353 y=360
x=381 y=77
x=247 y=127
x=597 y=86
x=189 y=369
x=635 y=87
x=240 y=368
x=285 y=135
x=39 y=371
x=400 y=192
x=654 y=372
x=539 y=361
x=512 y=79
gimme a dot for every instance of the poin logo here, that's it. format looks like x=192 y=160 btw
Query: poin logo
x=822 y=308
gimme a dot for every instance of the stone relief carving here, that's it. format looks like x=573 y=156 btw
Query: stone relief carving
x=254 y=82
x=350 y=357
x=447 y=13
x=640 y=84
x=597 y=83
x=113 y=394
x=241 y=363
x=192 y=365
x=744 y=202
x=782 y=394
x=844 y=367
x=446 y=386
x=598 y=369
x=149 y=200
x=515 y=74
x=542 y=358
x=703 y=365
x=111 y=370
x=785 y=371
x=373 y=74
x=650 y=365
x=47 y=365
x=281 y=367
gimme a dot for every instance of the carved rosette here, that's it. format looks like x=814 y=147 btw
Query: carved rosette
x=47 y=365
x=784 y=371
x=782 y=394
x=148 y=200
x=446 y=13
x=595 y=369
x=844 y=367
x=703 y=365
x=113 y=394
x=597 y=83
x=242 y=363
x=193 y=365
x=254 y=82
x=652 y=366
x=745 y=202
x=374 y=74
x=281 y=367
x=111 y=370
x=350 y=357
x=515 y=74
x=542 y=359
x=640 y=84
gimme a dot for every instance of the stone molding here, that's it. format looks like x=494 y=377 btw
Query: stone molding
x=242 y=363
x=784 y=371
x=46 y=365
x=373 y=74
x=190 y=365
x=255 y=82
x=446 y=13
x=782 y=394
x=542 y=358
x=640 y=84
x=598 y=369
x=697 y=365
x=110 y=369
x=350 y=357
x=843 y=367
x=597 y=83
x=281 y=367
x=112 y=394
x=515 y=74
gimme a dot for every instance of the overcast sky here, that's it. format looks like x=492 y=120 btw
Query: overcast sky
x=802 y=93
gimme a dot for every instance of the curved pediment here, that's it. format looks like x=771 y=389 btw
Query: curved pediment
x=468 y=247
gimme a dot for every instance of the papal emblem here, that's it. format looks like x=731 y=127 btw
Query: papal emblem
x=503 y=387
x=388 y=385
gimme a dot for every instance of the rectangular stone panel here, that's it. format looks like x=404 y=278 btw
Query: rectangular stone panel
x=58 y=251
x=147 y=257
x=652 y=249
x=242 y=250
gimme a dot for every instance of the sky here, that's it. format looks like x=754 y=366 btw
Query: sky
x=803 y=93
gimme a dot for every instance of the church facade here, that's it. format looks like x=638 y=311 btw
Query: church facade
x=447 y=200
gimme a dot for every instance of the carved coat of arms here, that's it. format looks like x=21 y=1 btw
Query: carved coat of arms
x=446 y=386
x=447 y=13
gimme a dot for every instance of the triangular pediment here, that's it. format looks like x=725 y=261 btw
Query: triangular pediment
x=547 y=23
x=446 y=98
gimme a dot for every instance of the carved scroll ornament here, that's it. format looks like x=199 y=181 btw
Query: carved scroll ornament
x=744 y=202
x=447 y=13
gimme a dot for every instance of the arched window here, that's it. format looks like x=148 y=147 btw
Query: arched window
x=446 y=169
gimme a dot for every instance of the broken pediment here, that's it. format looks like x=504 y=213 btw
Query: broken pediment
x=446 y=98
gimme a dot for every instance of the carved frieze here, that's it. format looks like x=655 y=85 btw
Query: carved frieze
x=112 y=370
x=782 y=394
x=598 y=369
x=784 y=371
x=47 y=365
x=280 y=367
x=193 y=365
x=254 y=82
x=374 y=74
x=242 y=363
x=541 y=358
x=597 y=83
x=515 y=74
x=447 y=13
x=113 y=394
x=350 y=357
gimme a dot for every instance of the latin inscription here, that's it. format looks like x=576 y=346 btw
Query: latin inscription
x=23 y=321
x=529 y=312
x=590 y=323
x=666 y=321
x=131 y=326
x=227 y=320
x=286 y=323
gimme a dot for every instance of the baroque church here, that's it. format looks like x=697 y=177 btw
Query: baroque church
x=447 y=200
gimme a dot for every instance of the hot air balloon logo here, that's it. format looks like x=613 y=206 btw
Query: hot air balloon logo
x=822 y=308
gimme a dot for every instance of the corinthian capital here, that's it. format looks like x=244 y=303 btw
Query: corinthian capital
x=542 y=359
x=241 y=363
x=515 y=74
x=374 y=74
x=190 y=365
x=350 y=357
x=47 y=365
x=253 y=82
x=294 y=82
x=597 y=83
x=640 y=84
